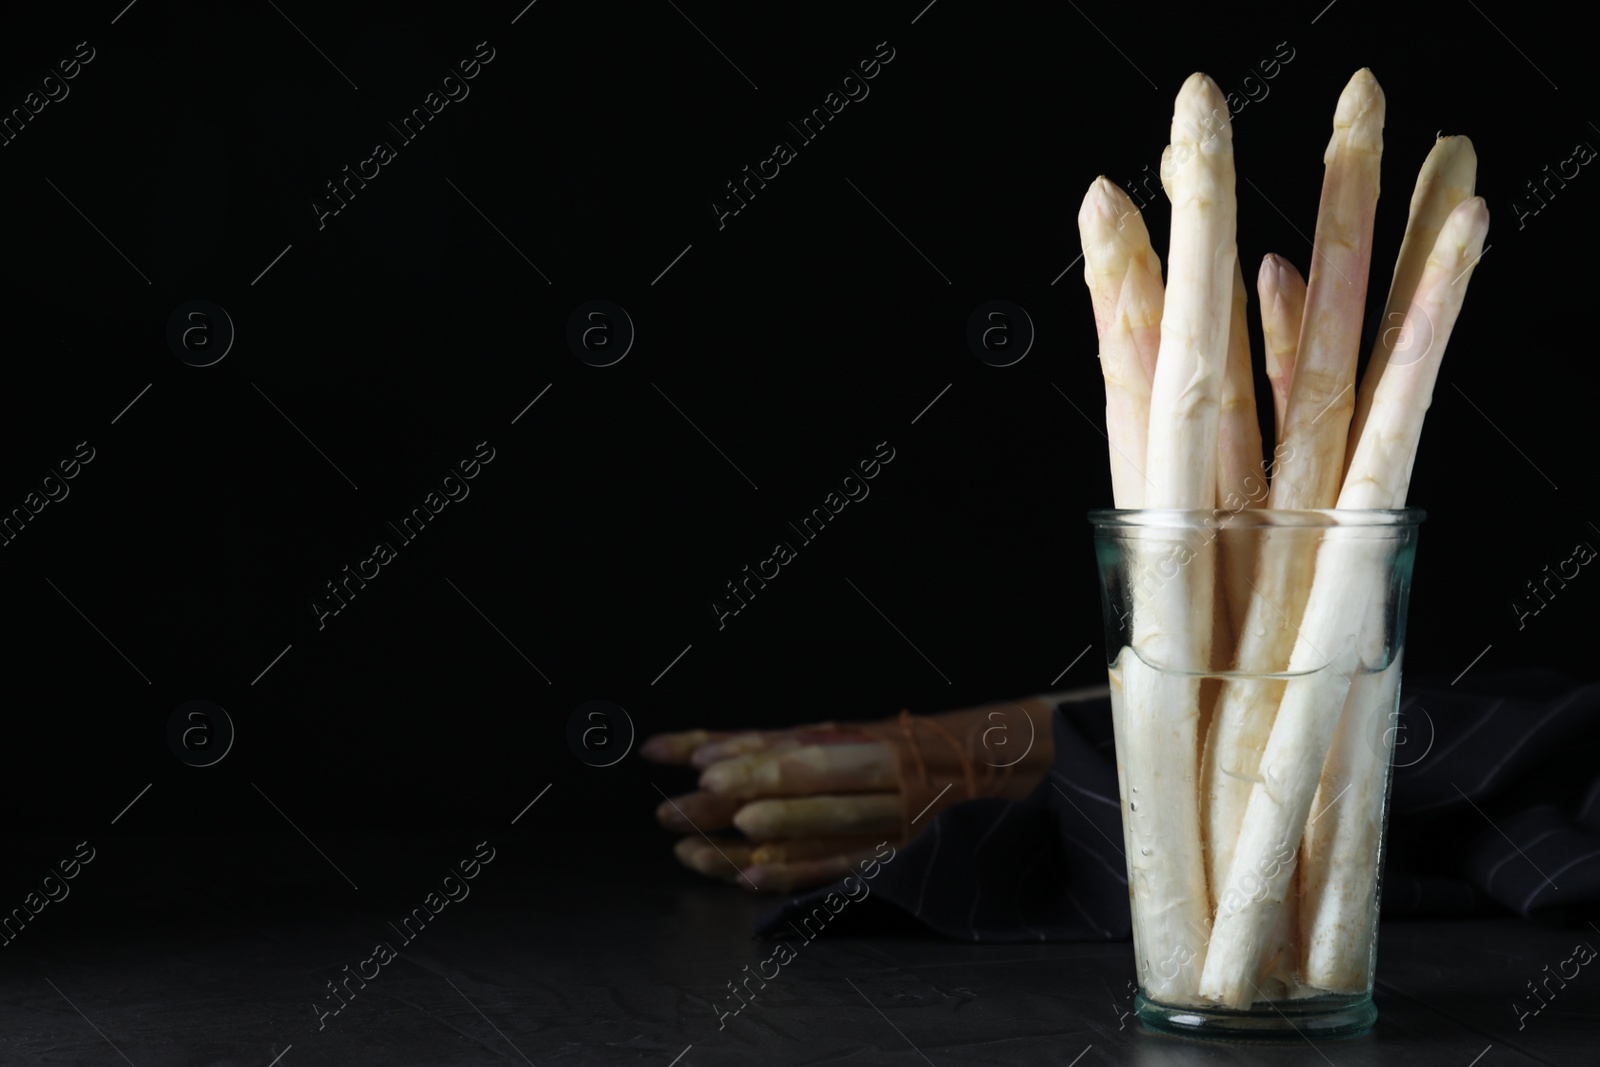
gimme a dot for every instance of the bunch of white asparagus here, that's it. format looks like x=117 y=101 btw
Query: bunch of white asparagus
x=1240 y=893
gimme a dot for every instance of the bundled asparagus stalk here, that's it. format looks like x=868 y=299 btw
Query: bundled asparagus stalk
x=1301 y=722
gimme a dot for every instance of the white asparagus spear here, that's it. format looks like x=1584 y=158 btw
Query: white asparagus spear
x=1447 y=177
x=1341 y=850
x=1280 y=959
x=1245 y=708
x=1336 y=920
x=1320 y=396
x=1123 y=273
x=1308 y=461
x=1323 y=662
x=1238 y=437
x=1380 y=472
x=1119 y=741
x=1349 y=572
x=1241 y=478
x=1229 y=597
x=1172 y=624
x=1282 y=293
x=869 y=814
x=1124 y=278
x=852 y=767
x=1185 y=393
x=1239 y=472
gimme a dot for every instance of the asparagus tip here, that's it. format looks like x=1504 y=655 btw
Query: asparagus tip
x=1104 y=200
x=1464 y=229
x=1110 y=227
x=721 y=777
x=1200 y=114
x=1449 y=148
x=1279 y=275
x=755 y=819
x=1361 y=102
x=1200 y=89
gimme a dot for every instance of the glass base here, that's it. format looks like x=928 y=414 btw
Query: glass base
x=1334 y=1015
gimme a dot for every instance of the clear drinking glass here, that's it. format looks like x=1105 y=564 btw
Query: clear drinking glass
x=1254 y=661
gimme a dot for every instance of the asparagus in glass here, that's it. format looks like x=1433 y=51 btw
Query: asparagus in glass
x=1334 y=631
x=1239 y=476
x=1340 y=888
x=1171 y=623
x=1124 y=278
x=1306 y=472
x=1241 y=479
x=1340 y=862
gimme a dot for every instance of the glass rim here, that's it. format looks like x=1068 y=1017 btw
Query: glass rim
x=1249 y=518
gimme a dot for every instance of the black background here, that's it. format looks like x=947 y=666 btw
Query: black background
x=796 y=338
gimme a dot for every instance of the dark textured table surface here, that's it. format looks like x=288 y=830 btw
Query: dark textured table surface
x=582 y=964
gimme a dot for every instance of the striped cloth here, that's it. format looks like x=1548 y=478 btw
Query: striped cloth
x=1495 y=807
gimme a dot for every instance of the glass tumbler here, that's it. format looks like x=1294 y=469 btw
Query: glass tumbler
x=1254 y=660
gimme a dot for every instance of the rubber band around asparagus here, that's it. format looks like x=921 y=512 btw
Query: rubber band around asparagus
x=996 y=750
x=1000 y=750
